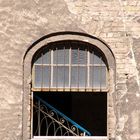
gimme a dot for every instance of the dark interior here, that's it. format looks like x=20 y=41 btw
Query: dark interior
x=87 y=109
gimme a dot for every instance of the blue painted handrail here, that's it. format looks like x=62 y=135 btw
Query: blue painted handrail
x=64 y=116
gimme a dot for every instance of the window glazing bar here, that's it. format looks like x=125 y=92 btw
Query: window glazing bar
x=42 y=70
x=100 y=73
x=64 y=69
x=78 y=68
x=92 y=70
x=52 y=68
x=70 y=51
x=86 y=68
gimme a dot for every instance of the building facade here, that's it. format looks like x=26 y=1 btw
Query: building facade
x=68 y=33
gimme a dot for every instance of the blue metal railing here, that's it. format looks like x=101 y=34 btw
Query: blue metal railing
x=59 y=121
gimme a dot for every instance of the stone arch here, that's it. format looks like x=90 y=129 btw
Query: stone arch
x=61 y=36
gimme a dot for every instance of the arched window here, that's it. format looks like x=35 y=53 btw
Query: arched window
x=64 y=75
x=69 y=66
x=71 y=79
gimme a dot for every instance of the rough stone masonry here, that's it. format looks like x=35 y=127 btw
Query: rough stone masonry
x=117 y=22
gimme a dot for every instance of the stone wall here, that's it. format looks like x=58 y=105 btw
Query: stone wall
x=117 y=22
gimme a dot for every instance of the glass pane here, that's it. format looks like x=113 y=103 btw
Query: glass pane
x=46 y=76
x=82 y=57
x=104 y=77
x=74 y=76
x=97 y=76
x=82 y=76
x=74 y=56
x=66 y=56
x=38 y=59
x=96 y=59
x=38 y=76
x=60 y=76
x=47 y=57
x=61 y=56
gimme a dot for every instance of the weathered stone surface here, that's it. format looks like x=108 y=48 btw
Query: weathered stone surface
x=117 y=22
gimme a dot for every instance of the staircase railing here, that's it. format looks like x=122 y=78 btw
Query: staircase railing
x=48 y=121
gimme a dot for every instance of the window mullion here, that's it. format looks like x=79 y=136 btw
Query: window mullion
x=100 y=78
x=56 y=68
x=92 y=70
x=70 y=67
x=52 y=68
x=88 y=68
x=42 y=70
x=64 y=70
x=78 y=69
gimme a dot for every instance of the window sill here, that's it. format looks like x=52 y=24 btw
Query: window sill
x=70 y=138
